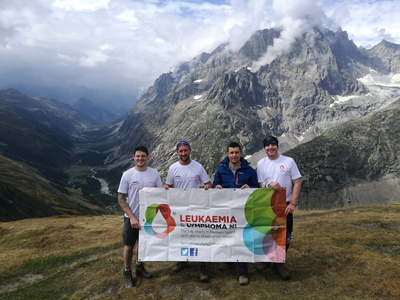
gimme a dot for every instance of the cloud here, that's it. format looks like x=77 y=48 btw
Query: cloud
x=124 y=45
x=366 y=21
x=294 y=18
x=80 y=5
x=93 y=59
x=246 y=18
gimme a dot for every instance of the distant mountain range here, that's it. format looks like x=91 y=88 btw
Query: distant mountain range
x=98 y=114
x=333 y=106
x=39 y=131
x=40 y=140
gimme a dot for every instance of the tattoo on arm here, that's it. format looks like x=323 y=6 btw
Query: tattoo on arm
x=122 y=200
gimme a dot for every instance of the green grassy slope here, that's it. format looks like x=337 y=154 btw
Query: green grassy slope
x=25 y=194
x=349 y=253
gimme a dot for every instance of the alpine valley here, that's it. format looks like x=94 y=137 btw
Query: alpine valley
x=334 y=108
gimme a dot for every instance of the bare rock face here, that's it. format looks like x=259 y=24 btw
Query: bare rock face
x=355 y=163
x=220 y=97
x=385 y=57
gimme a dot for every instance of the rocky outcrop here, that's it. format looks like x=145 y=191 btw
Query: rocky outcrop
x=385 y=57
x=355 y=163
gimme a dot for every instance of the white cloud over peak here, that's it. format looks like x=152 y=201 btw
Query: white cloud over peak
x=294 y=18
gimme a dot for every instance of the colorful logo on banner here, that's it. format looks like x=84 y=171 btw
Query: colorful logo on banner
x=265 y=233
x=151 y=212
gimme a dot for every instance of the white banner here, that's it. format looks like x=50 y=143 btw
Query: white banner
x=229 y=225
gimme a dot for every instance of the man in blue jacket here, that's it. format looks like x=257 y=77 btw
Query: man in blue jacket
x=235 y=172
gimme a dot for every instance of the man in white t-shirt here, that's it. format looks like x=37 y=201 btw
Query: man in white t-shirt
x=277 y=171
x=132 y=181
x=187 y=173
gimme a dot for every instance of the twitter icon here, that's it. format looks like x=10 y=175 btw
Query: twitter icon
x=184 y=251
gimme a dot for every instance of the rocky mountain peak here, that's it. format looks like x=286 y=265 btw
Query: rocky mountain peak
x=218 y=98
x=388 y=45
x=256 y=46
x=385 y=57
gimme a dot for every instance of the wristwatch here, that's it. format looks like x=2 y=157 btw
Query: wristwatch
x=267 y=184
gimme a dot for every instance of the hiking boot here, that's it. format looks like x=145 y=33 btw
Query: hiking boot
x=280 y=269
x=180 y=265
x=225 y=266
x=243 y=280
x=203 y=273
x=141 y=272
x=263 y=266
x=128 y=279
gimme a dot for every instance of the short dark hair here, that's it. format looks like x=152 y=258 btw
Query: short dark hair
x=270 y=140
x=141 y=148
x=233 y=145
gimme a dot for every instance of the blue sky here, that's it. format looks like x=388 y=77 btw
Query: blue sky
x=125 y=45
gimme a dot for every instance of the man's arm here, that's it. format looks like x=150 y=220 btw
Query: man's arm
x=295 y=195
x=168 y=186
x=217 y=181
x=207 y=185
x=125 y=207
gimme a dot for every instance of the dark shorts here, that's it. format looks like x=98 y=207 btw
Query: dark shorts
x=289 y=222
x=129 y=235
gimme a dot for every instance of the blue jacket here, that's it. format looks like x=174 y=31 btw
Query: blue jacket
x=244 y=175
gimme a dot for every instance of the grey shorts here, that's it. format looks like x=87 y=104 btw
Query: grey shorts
x=129 y=235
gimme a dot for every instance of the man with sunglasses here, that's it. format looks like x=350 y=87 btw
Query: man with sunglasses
x=187 y=173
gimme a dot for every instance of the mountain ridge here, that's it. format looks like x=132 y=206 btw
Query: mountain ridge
x=297 y=96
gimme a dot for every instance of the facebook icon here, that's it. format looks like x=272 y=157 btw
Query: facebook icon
x=193 y=251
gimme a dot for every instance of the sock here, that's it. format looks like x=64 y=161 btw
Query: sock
x=127 y=269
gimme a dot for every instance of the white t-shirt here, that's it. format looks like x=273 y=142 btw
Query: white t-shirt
x=282 y=170
x=187 y=176
x=132 y=181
